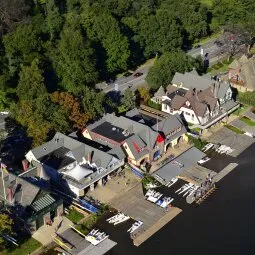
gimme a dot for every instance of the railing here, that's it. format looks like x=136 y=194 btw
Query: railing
x=93 y=177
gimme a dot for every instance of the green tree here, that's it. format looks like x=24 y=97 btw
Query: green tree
x=128 y=99
x=6 y=224
x=93 y=102
x=74 y=59
x=20 y=43
x=102 y=27
x=54 y=19
x=167 y=65
x=159 y=33
x=31 y=84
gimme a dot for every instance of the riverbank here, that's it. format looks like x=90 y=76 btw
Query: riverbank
x=223 y=224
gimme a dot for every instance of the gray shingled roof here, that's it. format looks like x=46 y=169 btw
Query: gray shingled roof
x=134 y=141
x=169 y=124
x=160 y=93
x=78 y=149
x=24 y=192
x=190 y=80
x=148 y=135
x=188 y=158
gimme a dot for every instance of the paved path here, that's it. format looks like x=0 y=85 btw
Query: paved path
x=174 y=211
x=44 y=234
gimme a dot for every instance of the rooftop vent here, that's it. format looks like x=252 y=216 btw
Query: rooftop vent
x=44 y=149
x=114 y=128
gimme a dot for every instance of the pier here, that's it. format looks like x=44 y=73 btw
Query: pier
x=142 y=237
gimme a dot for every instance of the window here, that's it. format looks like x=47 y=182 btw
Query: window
x=165 y=106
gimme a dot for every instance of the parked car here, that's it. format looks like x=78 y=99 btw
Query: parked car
x=138 y=74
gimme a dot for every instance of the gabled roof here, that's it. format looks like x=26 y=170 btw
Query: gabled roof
x=177 y=102
x=247 y=73
x=161 y=92
x=74 y=148
x=191 y=80
x=23 y=191
x=169 y=124
x=198 y=107
x=148 y=135
x=137 y=146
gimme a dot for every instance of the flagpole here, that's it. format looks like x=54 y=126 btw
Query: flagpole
x=3 y=178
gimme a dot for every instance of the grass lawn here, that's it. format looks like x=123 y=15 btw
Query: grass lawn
x=247 y=121
x=209 y=38
x=241 y=110
x=28 y=246
x=74 y=216
x=234 y=129
x=196 y=130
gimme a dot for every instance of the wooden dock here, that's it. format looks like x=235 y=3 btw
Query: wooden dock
x=172 y=213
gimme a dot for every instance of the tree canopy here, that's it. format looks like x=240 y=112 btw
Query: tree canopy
x=54 y=51
x=161 y=74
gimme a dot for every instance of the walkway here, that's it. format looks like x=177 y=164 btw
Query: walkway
x=44 y=234
x=225 y=171
x=174 y=211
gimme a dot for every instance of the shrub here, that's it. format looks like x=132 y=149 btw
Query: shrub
x=154 y=105
x=246 y=98
x=198 y=143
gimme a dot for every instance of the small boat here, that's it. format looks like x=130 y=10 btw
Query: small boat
x=135 y=226
x=172 y=182
x=207 y=147
x=122 y=219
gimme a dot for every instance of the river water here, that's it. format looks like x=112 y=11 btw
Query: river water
x=223 y=224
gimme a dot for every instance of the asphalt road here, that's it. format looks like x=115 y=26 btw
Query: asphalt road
x=123 y=83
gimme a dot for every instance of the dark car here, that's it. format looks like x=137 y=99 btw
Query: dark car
x=138 y=74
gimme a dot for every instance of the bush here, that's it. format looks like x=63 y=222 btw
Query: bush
x=198 y=143
x=154 y=105
x=246 y=98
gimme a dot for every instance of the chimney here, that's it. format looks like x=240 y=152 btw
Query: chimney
x=10 y=194
x=25 y=165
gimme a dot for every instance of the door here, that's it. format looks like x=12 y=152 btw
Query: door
x=39 y=222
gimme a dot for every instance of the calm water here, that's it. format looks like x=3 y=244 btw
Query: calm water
x=224 y=224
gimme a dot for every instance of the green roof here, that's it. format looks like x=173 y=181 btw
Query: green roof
x=42 y=203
